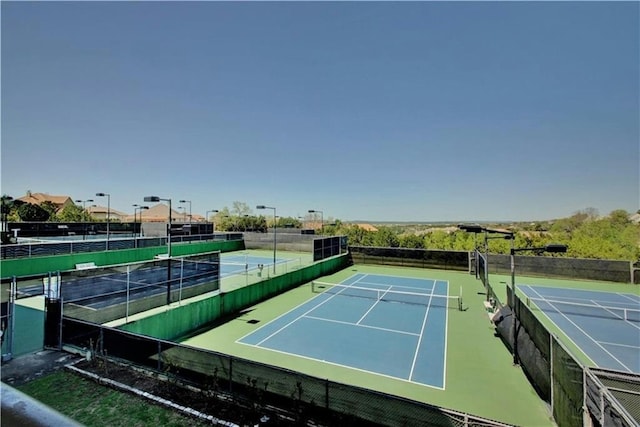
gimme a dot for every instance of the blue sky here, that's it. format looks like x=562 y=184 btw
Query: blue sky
x=427 y=111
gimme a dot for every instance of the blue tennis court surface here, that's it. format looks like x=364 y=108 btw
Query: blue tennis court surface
x=358 y=325
x=605 y=325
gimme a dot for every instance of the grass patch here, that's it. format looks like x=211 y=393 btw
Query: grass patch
x=92 y=404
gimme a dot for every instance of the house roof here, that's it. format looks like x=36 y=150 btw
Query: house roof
x=97 y=209
x=38 y=198
x=159 y=213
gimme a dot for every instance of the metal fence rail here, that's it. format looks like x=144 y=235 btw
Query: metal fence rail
x=27 y=250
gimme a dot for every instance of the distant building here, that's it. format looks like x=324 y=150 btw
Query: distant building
x=158 y=213
x=100 y=213
x=60 y=202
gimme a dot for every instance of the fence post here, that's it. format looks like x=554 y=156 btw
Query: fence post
x=231 y=374
x=326 y=393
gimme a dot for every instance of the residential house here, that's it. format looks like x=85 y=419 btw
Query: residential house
x=60 y=202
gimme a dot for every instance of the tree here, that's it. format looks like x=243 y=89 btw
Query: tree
x=385 y=237
x=51 y=209
x=412 y=240
x=289 y=222
x=73 y=213
x=31 y=212
x=240 y=209
x=619 y=217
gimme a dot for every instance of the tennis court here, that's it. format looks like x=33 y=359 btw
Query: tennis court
x=391 y=326
x=604 y=325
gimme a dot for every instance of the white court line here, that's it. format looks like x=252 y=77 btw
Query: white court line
x=617 y=315
x=618 y=345
x=374 y=304
x=586 y=334
x=412 y=288
x=446 y=334
x=362 y=326
x=293 y=309
x=343 y=366
x=635 y=301
x=307 y=312
x=424 y=323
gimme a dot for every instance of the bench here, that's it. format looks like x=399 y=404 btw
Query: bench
x=86 y=265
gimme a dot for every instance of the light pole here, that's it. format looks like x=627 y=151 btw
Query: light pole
x=84 y=215
x=5 y=203
x=108 y=196
x=503 y=234
x=138 y=208
x=84 y=202
x=188 y=201
x=551 y=248
x=206 y=217
x=156 y=199
x=321 y=219
x=274 y=233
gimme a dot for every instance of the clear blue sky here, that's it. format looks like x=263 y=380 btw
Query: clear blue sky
x=428 y=111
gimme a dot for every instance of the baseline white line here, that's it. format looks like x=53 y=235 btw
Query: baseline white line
x=307 y=312
x=586 y=334
x=342 y=366
x=289 y=311
x=424 y=323
x=361 y=326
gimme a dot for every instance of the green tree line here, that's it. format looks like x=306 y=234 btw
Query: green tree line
x=587 y=236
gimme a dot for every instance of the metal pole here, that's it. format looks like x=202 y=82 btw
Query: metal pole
x=486 y=263
x=108 y=218
x=275 y=231
x=512 y=303
x=169 y=257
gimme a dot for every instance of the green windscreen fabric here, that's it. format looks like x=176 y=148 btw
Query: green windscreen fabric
x=174 y=323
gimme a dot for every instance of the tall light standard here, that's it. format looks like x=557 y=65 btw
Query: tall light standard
x=321 y=219
x=84 y=215
x=188 y=201
x=551 y=248
x=108 y=196
x=156 y=199
x=503 y=234
x=138 y=208
x=274 y=233
x=5 y=203
x=84 y=203
x=206 y=217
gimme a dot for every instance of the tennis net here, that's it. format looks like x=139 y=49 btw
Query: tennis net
x=584 y=309
x=225 y=268
x=388 y=295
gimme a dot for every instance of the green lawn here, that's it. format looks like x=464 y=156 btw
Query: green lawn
x=92 y=404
